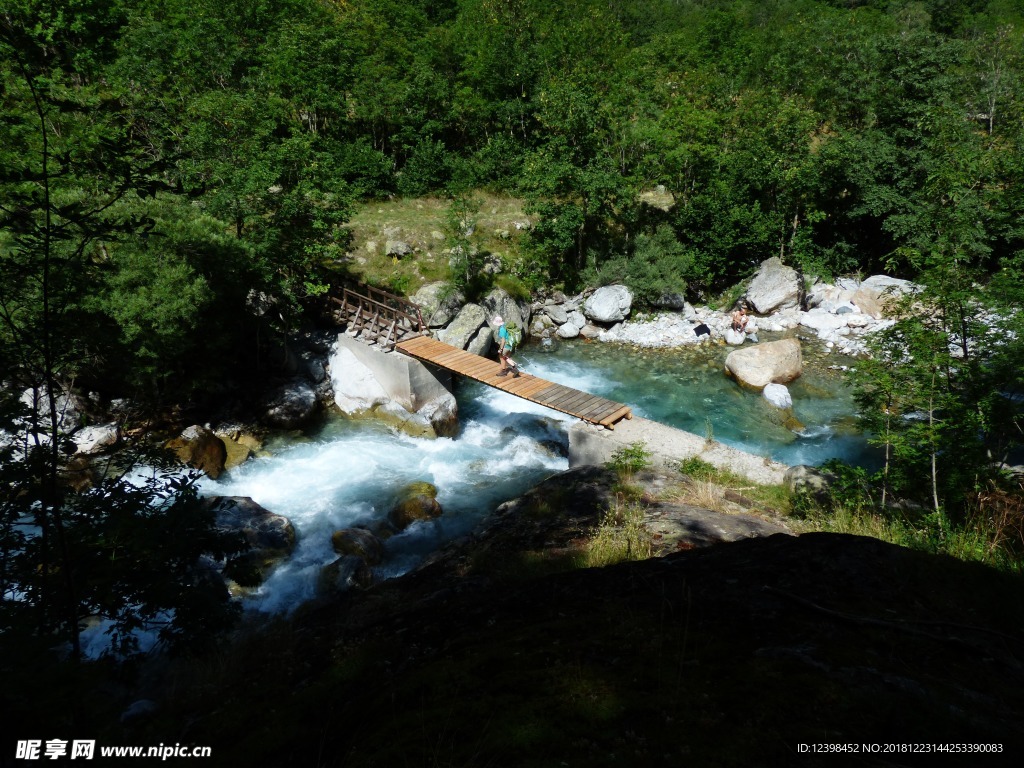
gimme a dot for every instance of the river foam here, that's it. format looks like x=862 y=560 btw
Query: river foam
x=347 y=474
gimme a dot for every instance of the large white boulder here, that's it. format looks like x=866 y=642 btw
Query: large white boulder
x=395 y=388
x=886 y=284
x=774 y=287
x=757 y=366
x=609 y=304
x=778 y=395
x=356 y=387
x=876 y=294
x=824 y=323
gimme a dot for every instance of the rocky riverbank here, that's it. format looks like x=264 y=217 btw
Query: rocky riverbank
x=840 y=314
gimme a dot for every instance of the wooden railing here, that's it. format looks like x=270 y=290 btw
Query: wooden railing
x=376 y=316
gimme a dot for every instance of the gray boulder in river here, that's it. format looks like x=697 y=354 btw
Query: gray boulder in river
x=776 y=362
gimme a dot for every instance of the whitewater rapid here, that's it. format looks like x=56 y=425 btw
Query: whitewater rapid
x=347 y=474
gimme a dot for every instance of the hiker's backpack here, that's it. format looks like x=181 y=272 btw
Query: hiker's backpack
x=515 y=335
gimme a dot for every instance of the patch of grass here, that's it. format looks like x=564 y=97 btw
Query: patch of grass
x=622 y=536
x=774 y=497
x=421 y=222
x=856 y=522
x=971 y=543
x=706 y=495
x=989 y=531
x=628 y=491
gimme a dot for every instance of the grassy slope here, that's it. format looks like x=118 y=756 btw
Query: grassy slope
x=422 y=222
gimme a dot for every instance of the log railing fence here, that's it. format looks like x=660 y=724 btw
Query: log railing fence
x=376 y=316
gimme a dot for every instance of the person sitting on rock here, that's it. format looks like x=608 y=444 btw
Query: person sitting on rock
x=739 y=318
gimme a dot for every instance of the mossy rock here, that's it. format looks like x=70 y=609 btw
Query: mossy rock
x=417 y=501
x=359 y=542
x=419 y=488
x=251 y=569
x=347 y=571
x=793 y=424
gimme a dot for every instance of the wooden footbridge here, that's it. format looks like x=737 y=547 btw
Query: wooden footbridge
x=394 y=323
x=596 y=410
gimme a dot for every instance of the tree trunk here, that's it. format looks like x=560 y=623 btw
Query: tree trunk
x=931 y=437
x=50 y=495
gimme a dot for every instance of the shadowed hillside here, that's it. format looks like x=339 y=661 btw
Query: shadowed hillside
x=730 y=655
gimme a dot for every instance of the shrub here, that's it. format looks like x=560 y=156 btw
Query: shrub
x=656 y=267
x=425 y=170
x=698 y=469
x=630 y=459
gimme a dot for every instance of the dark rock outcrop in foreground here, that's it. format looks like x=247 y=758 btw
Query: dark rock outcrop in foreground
x=730 y=655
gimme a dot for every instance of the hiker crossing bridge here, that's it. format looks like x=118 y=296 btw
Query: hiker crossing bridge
x=392 y=322
x=596 y=410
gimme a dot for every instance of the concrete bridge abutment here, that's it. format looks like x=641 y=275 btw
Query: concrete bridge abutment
x=398 y=388
x=668 y=446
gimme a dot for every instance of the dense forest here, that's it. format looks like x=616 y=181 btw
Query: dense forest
x=182 y=162
x=176 y=177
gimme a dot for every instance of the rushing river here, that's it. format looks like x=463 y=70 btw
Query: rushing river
x=346 y=472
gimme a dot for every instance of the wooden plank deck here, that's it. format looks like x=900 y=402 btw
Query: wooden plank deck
x=596 y=410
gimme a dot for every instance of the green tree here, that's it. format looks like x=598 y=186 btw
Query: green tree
x=574 y=184
x=654 y=270
x=938 y=392
x=72 y=170
x=466 y=258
